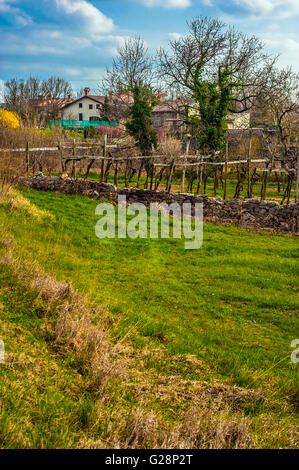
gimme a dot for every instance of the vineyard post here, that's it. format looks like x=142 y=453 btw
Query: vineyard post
x=184 y=167
x=248 y=166
x=168 y=184
x=225 y=169
x=297 y=175
x=27 y=158
x=61 y=156
x=74 y=161
x=104 y=155
x=152 y=173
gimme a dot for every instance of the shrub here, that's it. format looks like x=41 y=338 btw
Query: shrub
x=170 y=146
x=110 y=131
x=90 y=132
x=9 y=119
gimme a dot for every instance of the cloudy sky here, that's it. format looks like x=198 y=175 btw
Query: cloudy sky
x=76 y=39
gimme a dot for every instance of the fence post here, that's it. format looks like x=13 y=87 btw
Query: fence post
x=27 y=158
x=61 y=156
x=201 y=172
x=168 y=185
x=74 y=161
x=104 y=155
x=139 y=172
x=152 y=174
x=297 y=177
x=248 y=166
x=184 y=167
x=225 y=170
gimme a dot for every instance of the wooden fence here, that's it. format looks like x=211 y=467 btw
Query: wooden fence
x=198 y=167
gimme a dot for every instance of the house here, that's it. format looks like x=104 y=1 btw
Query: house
x=167 y=116
x=239 y=120
x=92 y=107
x=86 y=108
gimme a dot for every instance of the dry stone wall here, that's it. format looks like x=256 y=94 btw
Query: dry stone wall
x=248 y=213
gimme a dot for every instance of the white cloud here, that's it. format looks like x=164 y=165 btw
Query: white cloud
x=264 y=8
x=174 y=36
x=166 y=3
x=18 y=15
x=93 y=20
x=91 y=73
x=38 y=42
x=285 y=44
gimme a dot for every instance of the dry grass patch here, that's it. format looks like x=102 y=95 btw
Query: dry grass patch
x=13 y=200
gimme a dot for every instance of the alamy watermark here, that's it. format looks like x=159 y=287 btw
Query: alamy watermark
x=135 y=221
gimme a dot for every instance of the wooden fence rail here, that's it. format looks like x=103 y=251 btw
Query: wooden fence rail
x=201 y=163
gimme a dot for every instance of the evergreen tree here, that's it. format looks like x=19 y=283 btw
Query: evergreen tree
x=140 y=124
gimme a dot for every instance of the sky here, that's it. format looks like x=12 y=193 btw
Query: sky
x=77 y=39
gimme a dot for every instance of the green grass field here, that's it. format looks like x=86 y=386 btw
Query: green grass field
x=225 y=313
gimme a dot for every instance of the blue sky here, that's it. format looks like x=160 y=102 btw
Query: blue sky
x=77 y=39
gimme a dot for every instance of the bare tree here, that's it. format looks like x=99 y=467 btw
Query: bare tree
x=23 y=96
x=279 y=103
x=209 y=47
x=132 y=67
x=18 y=96
x=78 y=93
x=57 y=87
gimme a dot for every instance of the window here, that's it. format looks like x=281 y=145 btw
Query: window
x=80 y=117
x=91 y=106
x=98 y=106
x=94 y=118
x=80 y=105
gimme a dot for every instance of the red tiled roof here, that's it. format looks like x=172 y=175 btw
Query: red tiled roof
x=98 y=99
x=43 y=102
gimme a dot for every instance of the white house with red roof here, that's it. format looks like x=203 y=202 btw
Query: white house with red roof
x=86 y=108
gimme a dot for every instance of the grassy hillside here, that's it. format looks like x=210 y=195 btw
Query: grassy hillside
x=203 y=336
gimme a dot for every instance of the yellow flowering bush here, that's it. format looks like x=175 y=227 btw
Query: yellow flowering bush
x=9 y=119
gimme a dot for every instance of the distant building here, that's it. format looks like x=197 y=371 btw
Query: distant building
x=92 y=107
x=169 y=115
x=86 y=108
x=239 y=120
x=47 y=108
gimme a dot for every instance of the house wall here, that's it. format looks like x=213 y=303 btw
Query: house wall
x=73 y=110
x=239 y=121
x=166 y=119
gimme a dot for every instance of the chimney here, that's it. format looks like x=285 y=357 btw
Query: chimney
x=70 y=97
x=86 y=91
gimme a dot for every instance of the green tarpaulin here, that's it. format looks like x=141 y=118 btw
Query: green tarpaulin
x=69 y=124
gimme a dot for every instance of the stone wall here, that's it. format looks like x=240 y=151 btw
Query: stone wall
x=248 y=213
